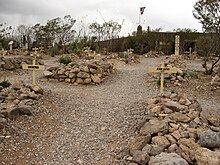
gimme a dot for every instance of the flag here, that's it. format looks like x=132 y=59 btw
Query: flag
x=142 y=10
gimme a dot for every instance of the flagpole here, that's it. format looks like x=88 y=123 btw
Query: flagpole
x=139 y=18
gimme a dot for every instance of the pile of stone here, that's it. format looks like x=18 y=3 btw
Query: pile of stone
x=176 y=61
x=128 y=57
x=17 y=99
x=89 y=72
x=154 y=54
x=174 y=78
x=177 y=131
x=8 y=63
x=14 y=52
x=215 y=82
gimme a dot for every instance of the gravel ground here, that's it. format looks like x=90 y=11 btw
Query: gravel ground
x=88 y=125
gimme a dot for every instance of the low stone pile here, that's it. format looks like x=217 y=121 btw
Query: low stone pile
x=177 y=131
x=215 y=82
x=8 y=63
x=14 y=52
x=17 y=99
x=174 y=78
x=90 y=72
x=176 y=61
x=154 y=54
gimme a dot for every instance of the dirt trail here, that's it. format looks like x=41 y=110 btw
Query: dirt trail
x=82 y=124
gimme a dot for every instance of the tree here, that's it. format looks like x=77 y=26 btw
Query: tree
x=106 y=31
x=57 y=29
x=208 y=14
x=65 y=31
x=185 y=30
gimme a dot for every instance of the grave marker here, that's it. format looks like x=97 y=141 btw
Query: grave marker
x=10 y=45
x=162 y=70
x=177 y=45
x=34 y=67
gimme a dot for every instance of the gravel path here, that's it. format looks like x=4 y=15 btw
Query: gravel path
x=88 y=125
x=83 y=124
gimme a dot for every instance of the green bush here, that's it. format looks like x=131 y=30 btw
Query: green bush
x=192 y=74
x=65 y=60
x=54 y=50
x=5 y=83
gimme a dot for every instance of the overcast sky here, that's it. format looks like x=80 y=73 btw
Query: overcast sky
x=167 y=14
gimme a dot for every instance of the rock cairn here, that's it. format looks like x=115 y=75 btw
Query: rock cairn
x=177 y=78
x=18 y=99
x=154 y=54
x=13 y=63
x=90 y=72
x=14 y=52
x=177 y=131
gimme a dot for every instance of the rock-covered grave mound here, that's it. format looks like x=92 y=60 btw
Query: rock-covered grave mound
x=154 y=54
x=177 y=131
x=12 y=63
x=174 y=78
x=18 y=99
x=81 y=72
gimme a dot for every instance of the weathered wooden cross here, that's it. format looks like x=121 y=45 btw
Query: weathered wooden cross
x=162 y=70
x=33 y=67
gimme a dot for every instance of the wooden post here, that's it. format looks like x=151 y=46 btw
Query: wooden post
x=177 y=45
x=10 y=45
x=34 y=67
x=162 y=70
x=190 y=51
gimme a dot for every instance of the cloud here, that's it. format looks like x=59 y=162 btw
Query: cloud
x=158 y=13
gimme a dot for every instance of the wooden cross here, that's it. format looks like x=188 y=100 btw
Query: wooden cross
x=34 y=67
x=130 y=51
x=162 y=70
x=87 y=50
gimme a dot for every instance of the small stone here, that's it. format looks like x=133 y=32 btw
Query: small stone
x=156 y=150
x=161 y=141
x=37 y=89
x=209 y=139
x=18 y=85
x=138 y=143
x=47 y=73
x=103 y=128
x=179 y=117
x=184 y=134
x=25 y=109
x=83 y=75
x=72 y=75
x=140 y=157
x=154 y=126
x=167 y=159
x=172 y=148
x=168 y=110
x=96 y=79
x=175 y=106
x=205 y=156
x=176 y=135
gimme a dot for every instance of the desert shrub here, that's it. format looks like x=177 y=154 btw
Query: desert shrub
x=65 y=60
x=54 y=50
x=122 y=55
x=192 y=74
x=5 y=84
